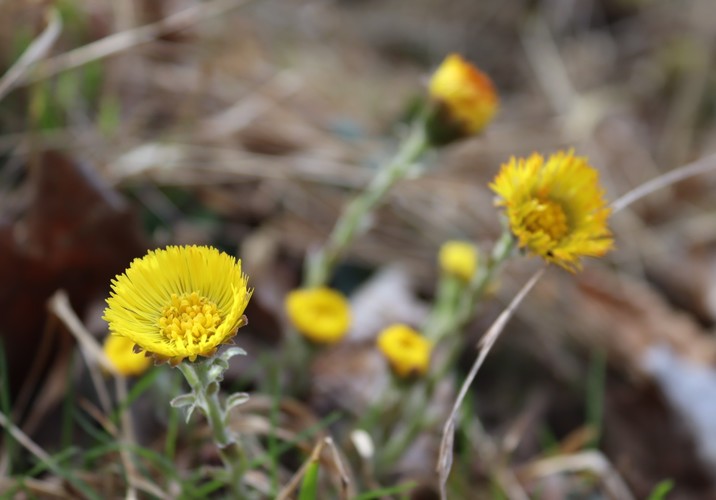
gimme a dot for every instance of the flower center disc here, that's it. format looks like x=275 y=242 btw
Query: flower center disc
x=549 y=218
x=189 y=318
x=406 y=343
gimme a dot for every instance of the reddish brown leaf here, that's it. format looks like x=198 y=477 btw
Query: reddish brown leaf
x=76 y=234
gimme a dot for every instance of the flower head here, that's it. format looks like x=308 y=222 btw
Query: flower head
x=407 y=351
x=320 y=314
x=120 y=352
x=466 y=96
x=458 y=258
x=555 y=208
x=179 y=302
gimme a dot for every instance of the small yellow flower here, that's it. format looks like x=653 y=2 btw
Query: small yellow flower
x=407 y=351
x=556 y=209
x=320 y=314
x=458 y=258
x=120 y=352
x=179 y=302
x=466 y=94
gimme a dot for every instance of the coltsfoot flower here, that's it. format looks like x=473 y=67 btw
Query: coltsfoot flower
x=466 y=98
x=179 y=303
x=555 y=208
x=458 y=258
x=406 y=350
x=120 y=352
x=320 y=314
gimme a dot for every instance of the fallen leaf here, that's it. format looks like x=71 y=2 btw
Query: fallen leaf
x=75 y=234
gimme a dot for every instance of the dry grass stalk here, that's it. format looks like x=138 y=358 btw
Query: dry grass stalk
x=125 y=40
x=25 y=440
x=94 y=356
x=34 y=52
x=43 y=488
x=587 y=460
x=700 y=166
x=293 y=484
x=59 y=304
x=488 y=340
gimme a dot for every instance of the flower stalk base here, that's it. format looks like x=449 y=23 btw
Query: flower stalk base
x=321 y=264
x=204 y=378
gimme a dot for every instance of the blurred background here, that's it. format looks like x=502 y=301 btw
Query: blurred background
x=247 y=124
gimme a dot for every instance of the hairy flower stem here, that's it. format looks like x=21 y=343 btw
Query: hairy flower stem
x=450 y=290
x=320 y=265
x=455 y=304
x=500 y=253
x=205 y=388
x=413 y=420
x=465 y=308
x=296 y=352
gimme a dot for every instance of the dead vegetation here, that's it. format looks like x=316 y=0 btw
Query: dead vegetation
x=248 y=125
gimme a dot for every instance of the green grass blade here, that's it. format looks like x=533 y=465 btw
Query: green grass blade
x=284 y=447
x=6 y=407
x=68 y=406
x=309 y=486
x=137 y=390
x=383 y=492
x=596 y=383
x=661 y=490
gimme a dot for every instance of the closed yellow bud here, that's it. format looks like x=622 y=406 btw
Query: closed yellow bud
x=466 y=100
x=319 y=314
x=406 y=350
x=458 y=258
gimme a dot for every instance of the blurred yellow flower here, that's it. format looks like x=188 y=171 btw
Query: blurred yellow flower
x=179 y=302
x=319 y=314
x=556 y=209
x=458 y=258
x=407 y=351
x=466 y=94
x=120 y=352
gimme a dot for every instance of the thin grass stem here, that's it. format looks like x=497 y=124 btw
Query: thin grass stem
x=486 y=343
x=700 y=166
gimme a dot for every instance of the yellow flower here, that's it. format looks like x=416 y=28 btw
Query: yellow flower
x=407 y=351
x=320 y=314
x=556 y=208
x=465 y=93
x=119 y=352
x=458 y=258
x=179 y=302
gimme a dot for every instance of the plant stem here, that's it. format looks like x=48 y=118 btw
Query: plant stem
x=413 y=409
x=466 y=307
x=321 y=264
x=452 y=311
x=296 y=356
x=206 y=392
x=450 y=291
